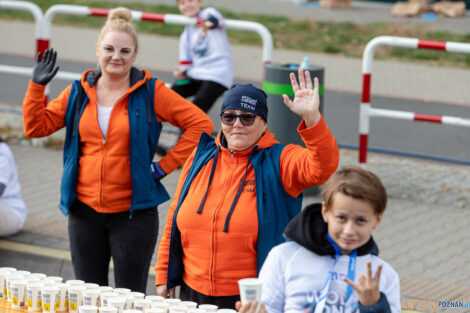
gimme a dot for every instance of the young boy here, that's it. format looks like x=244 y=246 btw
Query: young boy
x=206 y=67
x=330 y=263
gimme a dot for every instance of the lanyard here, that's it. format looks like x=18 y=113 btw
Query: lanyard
x=326 y=287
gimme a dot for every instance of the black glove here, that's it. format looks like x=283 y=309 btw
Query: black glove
x=44 y=70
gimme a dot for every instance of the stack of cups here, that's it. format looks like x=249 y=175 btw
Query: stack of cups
x=129 y=301
x=18 y=293
x=63 y=299
x=75 y=297
x=50 y=295
x=33 y=296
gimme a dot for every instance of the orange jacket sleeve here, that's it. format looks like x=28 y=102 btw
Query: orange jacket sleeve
x=161 y=267
x=303 y=168
x=40 y=120
x=171 y=107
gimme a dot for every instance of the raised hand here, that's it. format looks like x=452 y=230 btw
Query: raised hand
x=368 y=287
x=44 y=70
x=306 y=99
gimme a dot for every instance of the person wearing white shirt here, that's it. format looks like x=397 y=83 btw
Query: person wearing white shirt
x=12 y=208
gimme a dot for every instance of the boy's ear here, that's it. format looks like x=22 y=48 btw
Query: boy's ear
x=324 y=212
x=379 y=219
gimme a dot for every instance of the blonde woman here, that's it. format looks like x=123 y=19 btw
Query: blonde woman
x=110 y=187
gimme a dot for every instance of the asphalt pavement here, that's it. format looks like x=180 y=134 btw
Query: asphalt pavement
x=424 y=230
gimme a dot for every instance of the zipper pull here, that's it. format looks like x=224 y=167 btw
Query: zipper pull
x=231 y=151
x=104 y=141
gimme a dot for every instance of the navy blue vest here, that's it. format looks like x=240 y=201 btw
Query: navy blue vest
x=274 y=205
x=144 y=134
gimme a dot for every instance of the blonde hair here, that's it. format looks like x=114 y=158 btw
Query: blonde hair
x=119 y=20
x=358 y=183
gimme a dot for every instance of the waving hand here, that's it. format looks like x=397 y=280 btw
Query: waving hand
x=306 y=99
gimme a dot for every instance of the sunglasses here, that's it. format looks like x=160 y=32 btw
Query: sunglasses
x=247 y=119
x=124 y=52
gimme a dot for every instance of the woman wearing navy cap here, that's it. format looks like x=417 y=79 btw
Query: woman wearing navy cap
x=237 y=193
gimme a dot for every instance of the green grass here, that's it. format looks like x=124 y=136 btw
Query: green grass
x=347 y=39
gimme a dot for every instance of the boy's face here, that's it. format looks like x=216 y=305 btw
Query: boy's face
x=189 y=7
x=350 y=221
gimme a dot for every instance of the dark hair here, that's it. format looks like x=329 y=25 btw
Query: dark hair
x=358 y=183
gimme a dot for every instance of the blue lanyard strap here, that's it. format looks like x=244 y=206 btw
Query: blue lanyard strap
x=351 y=267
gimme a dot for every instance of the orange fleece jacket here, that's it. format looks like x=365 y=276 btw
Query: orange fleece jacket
x=104 y=180
x=213 y=260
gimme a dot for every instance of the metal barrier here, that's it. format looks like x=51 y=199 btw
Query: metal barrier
x=366 y=111
x=174 y=19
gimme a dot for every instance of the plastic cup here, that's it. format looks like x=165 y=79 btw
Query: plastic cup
x=8 y=269
x=154 y=310
x=172 y=301
x=71 y=282
x=87 y=309
x=105 y=296
x=154 y=298
x=179 y=308
x=193 y=310
x=18 y=293
x=122 y=291
x=3 y=283
x=226 y=311
x=118 y=302
x=55 y=279
x=139 y=295
x=41 y=276
x=75 y=297
x=63 y=300
x=209 y=307
x=91 y=297
x=107 y=309
x=49 y=297
x=105 y=288
x=91 y=286
x=48 y=282
x=129 y=301
x=8 y=280
x=141 y=304
x=161 y=305
x=24 y=273
x=189 y=304
x=33 y=296
x=250 y=289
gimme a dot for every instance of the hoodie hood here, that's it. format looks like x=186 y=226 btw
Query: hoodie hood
x=309 y=230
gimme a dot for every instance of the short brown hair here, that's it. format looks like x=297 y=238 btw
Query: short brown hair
x=119 y=20
x=358 y=183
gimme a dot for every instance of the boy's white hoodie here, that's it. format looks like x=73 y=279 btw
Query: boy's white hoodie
x=295 y=272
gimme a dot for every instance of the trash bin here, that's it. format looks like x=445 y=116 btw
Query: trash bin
x=281 y=120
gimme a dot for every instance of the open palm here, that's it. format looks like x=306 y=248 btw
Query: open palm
x=306 y=99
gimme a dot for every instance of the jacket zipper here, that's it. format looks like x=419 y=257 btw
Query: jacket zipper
x=214 y=229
